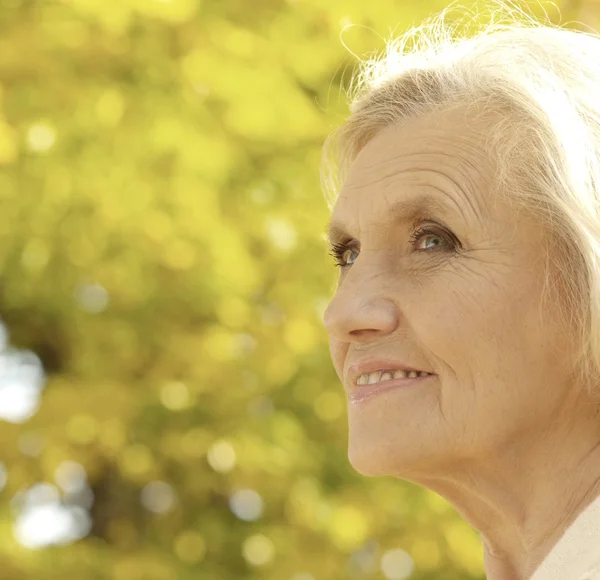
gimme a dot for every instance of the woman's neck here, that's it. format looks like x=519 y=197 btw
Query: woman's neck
x=522 y=500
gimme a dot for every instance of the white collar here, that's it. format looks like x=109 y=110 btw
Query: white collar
x=576 y=556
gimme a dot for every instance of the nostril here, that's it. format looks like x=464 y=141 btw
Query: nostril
x=364 y=332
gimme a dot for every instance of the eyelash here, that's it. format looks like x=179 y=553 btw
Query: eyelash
x=337 y=250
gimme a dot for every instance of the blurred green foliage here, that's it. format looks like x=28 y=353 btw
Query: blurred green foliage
x=161 y=250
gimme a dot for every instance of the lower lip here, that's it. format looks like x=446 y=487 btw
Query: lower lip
x=363 y=393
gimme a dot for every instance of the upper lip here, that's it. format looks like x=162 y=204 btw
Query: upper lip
x=372 y=365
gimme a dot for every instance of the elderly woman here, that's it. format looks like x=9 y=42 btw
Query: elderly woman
x=465 y=326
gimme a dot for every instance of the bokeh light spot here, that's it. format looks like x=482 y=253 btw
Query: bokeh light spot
x=175 y=396
x=21 y=382
x=221 y=456
x=43 y=520
x=258 y=550
x=282 y=234
x=158 y=497
x=92 y=297
x=246 y=504
x=70 y=476
x=42 y=493
x=348 y=527
x=397 y=564
x=18 y=402
x=51 y=524
x=41 y=137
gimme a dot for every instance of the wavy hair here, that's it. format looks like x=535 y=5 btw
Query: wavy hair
x=541 y=82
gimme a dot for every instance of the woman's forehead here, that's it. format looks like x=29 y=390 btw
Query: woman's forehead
x=451 y=165
x=404 y=209
x=431 y=145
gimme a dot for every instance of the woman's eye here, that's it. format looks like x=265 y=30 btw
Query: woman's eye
x=342 y=253
x=428 y=233
x=435 y=238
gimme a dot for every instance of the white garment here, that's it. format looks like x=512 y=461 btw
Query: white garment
x=576 y=556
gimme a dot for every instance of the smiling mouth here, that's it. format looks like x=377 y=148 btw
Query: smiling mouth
x=365 y=392
x=388 y=375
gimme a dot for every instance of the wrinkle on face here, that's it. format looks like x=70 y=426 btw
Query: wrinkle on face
x=460 y=311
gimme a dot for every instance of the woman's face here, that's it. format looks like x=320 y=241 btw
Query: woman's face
x=461 y=299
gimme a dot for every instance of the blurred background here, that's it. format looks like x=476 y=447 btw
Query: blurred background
x=168 y=408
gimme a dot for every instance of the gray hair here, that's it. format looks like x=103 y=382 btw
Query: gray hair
x=542 y=82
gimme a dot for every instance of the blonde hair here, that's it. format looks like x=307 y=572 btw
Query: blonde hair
x=543 y=84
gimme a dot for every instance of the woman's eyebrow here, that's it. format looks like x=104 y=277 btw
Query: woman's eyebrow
x=401 y=211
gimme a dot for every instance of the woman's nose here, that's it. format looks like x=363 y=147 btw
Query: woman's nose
x=360 y=315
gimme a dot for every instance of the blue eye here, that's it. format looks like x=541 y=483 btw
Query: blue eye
x=423 y=232
x=338 y=251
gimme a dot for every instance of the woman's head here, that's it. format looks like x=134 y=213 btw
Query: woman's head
x=490 y=279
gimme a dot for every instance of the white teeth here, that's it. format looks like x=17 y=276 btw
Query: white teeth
x=380 y=376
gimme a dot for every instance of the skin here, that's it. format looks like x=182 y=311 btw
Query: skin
x=503 y=431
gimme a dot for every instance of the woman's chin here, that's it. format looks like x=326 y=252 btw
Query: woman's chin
x=366 y=464
x=380 y=459
x=402 y=456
